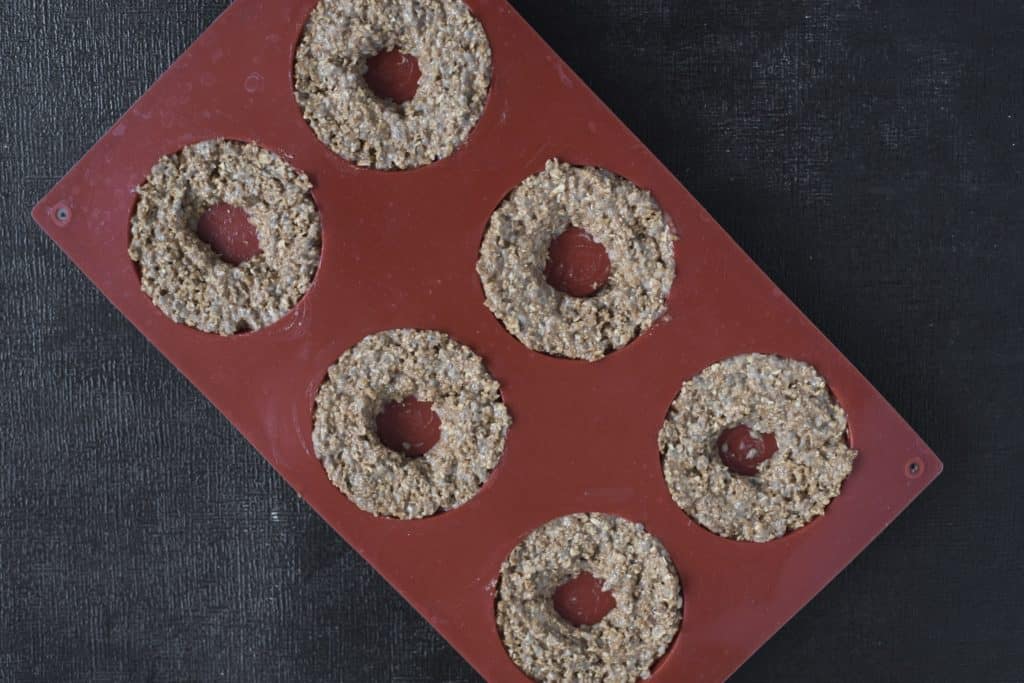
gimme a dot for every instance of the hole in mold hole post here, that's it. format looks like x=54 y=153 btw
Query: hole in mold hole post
x=581 y=601
x=227 y=230
x=577 y=264
x=742 y=449
x=410 y=426
x=393 y=75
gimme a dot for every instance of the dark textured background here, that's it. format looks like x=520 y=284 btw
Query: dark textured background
x=867 y=154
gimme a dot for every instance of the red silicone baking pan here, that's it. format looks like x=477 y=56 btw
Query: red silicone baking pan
x=399 y=250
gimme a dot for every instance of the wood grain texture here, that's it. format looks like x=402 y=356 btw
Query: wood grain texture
x=866 y=154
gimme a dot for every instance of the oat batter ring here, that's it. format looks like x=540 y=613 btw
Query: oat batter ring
x=767 y=394
x=617 y=214
x=636 y=570
x=454 y=58
x=185 y=277
x=390 y=367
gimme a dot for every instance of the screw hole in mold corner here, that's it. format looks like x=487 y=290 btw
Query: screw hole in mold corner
x=914 y=468
x=62 y=214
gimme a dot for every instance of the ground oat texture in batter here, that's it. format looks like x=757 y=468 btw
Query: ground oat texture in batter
x=769 y=395
x=618 y=215
x=390 y=367
x=635 y=569
x=185 y=277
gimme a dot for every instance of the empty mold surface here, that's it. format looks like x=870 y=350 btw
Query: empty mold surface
x=399 y=251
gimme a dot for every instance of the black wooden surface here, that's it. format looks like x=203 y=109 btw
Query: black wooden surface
x=867 y=155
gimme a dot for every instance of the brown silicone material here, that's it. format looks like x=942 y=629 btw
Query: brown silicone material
x=399 y=250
